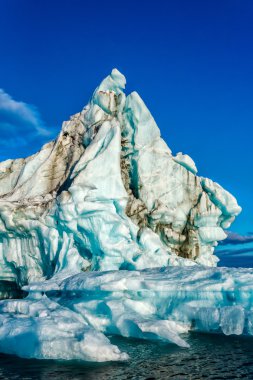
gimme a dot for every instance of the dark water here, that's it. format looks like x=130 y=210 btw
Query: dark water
x=235 y=261
x=209 y=357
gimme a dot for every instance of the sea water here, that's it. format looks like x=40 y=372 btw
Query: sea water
x=209 y=357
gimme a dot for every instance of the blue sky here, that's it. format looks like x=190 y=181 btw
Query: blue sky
x=191 y=61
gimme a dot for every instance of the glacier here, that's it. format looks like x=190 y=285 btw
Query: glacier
x=104 y=231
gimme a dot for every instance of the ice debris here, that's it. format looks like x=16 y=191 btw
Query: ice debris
x=69 y=316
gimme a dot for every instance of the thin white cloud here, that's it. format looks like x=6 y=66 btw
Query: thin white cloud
x=22 y=113
x=234 y=238
x=236 y=251
x=21 y=126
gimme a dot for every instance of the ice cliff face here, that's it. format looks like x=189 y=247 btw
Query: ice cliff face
x=108 y=194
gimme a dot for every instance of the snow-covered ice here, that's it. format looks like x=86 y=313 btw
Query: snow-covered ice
x=40 y=328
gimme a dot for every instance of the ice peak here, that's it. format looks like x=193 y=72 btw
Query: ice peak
x=118 y=78
x=114 y=82
x=108 y=194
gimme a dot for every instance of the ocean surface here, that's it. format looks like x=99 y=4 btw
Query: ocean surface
x=209 y=357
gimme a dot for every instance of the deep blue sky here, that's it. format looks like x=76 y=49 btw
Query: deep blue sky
x=191 y=61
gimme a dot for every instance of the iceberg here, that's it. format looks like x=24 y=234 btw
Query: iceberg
x=104 y=231
x=107 y=194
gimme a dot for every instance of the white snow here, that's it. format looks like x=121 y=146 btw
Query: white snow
x=37 y=327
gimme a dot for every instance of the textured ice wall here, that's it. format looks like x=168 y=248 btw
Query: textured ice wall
x=67 y=317
x=107 y=194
